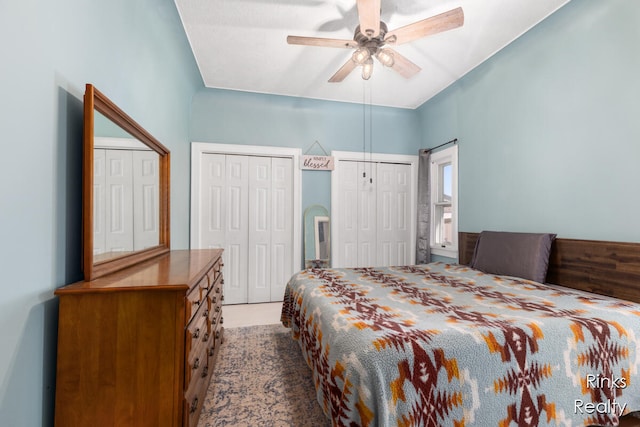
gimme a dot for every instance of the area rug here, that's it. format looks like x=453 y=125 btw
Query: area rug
x=261 y=379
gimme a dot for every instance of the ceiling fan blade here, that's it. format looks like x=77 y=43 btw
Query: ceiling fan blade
x=343 y=71
x=403 y=66
x=369 y=16
x=321 y=42
x=433 y=25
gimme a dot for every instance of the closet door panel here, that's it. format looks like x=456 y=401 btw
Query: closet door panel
x=212 y=197
x=367 y=215
x=146 y=194
x=347 y=248
x=99 y=200
x=259 y=229
x=393 y=211
x=281 y=230
x=236 y=229
x=386 y=214
x=402 y=211
x=119 y=201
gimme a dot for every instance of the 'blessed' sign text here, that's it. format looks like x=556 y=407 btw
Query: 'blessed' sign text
x=319 y=163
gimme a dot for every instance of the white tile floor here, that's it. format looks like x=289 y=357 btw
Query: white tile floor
x=239 y=315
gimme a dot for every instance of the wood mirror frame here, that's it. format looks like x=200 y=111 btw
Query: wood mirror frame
x=94 y=100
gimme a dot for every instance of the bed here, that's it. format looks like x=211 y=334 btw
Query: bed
x=450 y=345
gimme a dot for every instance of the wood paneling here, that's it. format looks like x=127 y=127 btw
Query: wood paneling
x=601 y=267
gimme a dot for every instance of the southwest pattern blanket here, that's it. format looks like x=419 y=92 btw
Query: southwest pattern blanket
x=446 y=345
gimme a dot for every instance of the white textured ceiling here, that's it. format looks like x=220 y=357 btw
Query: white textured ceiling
x=241 y=45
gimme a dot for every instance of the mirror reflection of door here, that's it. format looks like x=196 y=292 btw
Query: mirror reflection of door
x=126 y=197
x=317 y=246
x=322 y=237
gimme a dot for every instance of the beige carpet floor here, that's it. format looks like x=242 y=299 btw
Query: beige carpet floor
x=261 y=379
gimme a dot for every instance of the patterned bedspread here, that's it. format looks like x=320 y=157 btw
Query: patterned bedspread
x=446 y=345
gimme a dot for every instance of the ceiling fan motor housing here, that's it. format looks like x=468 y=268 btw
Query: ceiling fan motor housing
x=370 y=42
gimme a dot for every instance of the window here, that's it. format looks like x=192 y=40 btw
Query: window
x=444 y=202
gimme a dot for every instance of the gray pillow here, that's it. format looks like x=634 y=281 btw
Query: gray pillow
x=524 y=255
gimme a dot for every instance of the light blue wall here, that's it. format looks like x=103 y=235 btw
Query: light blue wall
x=549 y=130
x=136 y=53
x=232 y=117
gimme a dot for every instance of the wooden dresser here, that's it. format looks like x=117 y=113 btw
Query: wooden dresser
x=137 y=347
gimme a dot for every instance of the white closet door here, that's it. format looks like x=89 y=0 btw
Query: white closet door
x=259 y=229
x=119 y=201
x=237 y=229
x=212 y=201
x=373 y=214
x=367 y=215
x=224 y=217
x=347 y=248
x=246 y=207
x=281 y=226
x=146 y=192
x=99 y=199
x=222 y=195
x=358 y=226
x=393 y=198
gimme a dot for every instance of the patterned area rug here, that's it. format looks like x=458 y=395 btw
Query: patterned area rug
x=261 y=379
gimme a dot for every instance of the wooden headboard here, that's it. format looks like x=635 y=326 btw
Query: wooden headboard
x=605 y=268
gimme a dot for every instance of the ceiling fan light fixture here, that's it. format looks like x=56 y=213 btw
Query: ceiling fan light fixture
x=385 y=56
x=370 y=41
x=361 y=55
x=367 y=69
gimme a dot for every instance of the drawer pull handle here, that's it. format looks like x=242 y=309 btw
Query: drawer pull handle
x=206 y=313
x=196 y=364
x=194 y=406
x=217 y=309
x=213 y=322
x=206 y=337
x=221 y=320
x=217 y=335
x=222 y=298
x=205 y=371
x=214 y=300
x=196 y=334
x=218 y=290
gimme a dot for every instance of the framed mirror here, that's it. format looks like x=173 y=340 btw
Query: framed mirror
x=317 y=247
x=125 y=205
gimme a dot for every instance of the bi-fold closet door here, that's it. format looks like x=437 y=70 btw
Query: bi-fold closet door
x=246 y=207
x=373 y=204
x=126 y=192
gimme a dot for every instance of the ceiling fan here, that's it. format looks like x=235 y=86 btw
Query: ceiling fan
x=372 y=36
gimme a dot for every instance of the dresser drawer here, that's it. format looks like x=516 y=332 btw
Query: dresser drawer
x=195 y=297
x=194 y=396
x=214 y=302
x=197 y=335
x=197 y=366
x=215 y=340
x=216 y=292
